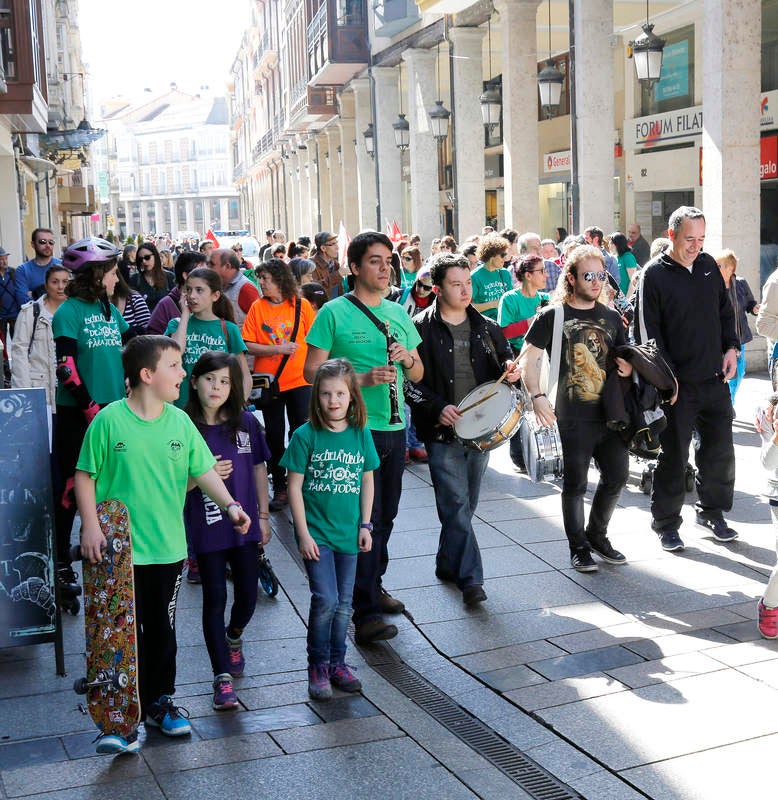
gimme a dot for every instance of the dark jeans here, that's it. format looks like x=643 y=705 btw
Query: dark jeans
x=331 y=581
x=68 y=438
x=244 y=564
x=156 y=593
x=456 y=473
x=387 y=480
x=295 y=403
x=706 y=407
x=582 y=440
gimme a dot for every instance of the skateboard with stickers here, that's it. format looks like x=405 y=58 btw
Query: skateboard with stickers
x=111 y=681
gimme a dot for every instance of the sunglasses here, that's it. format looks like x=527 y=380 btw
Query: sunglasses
x=147 y=257
x=407 y=258
x=426 y=286
x=46 y=241
x=590 y=276
x=238 y=249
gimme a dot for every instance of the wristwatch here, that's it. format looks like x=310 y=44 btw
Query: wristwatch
x=368 y=526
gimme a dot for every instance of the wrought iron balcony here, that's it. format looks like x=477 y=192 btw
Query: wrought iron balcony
x=337 y=42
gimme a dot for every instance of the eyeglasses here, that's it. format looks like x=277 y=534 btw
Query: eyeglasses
x=49 y=242
x=590 y=276
x=533 y=271
x=147 y=257
x=425 y=286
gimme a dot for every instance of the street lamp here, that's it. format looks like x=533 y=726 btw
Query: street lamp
x=369 y=135
x=402 y=133
x=439 y=119
x=647 y=50
x=491 y=103
x=550 y=79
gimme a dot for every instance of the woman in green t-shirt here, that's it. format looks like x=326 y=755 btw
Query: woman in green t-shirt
x=88 y=332
x=628 y=264
x=518 y=306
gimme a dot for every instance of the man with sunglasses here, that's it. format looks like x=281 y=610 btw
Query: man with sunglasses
x=31 y=276
x=589 y=334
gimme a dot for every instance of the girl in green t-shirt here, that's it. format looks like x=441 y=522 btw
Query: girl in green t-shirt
x=206 y=323
x=330 y=462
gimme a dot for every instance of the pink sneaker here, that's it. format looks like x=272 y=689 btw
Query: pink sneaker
x=768 y=621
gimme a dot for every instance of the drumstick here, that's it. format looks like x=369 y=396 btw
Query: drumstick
x=485 y=397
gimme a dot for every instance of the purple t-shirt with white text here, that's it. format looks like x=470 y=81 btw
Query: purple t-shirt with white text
x=209 y=527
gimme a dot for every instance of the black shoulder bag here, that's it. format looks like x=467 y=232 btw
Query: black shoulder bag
x=264 y=390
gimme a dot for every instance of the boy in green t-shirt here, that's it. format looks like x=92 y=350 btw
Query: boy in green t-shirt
x=143 y=451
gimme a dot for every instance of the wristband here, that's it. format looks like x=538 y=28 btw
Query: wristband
x=368 y=526
x=413 y=363
x=264 y=515
x=230 y=505
x=539 y=394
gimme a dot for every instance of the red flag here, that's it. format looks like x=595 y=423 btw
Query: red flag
x=343 y=241
x=393 y=231
x=211 y=238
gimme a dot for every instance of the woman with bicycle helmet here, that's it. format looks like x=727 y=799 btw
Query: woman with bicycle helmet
x=88 y=332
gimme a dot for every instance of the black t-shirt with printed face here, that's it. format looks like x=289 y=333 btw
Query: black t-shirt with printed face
x=588 y=337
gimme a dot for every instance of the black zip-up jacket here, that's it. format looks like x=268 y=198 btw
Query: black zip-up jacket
x=489 y=351
x=689 y=314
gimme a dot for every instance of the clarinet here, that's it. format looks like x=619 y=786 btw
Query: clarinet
x=394 y=403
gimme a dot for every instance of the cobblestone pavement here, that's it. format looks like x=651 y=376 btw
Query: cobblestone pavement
x=642 y=680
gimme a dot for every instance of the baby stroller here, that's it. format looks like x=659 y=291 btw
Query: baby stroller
x=646 y=448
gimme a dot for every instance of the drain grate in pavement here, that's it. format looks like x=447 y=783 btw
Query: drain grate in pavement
x=521 y=769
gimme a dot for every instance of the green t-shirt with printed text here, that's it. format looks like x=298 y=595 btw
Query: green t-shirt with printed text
x=99 y=349
x=146 y=465
x=490 y=285
x=516 y=306
x=201 y=336
x=332 y=465
x=344 y=331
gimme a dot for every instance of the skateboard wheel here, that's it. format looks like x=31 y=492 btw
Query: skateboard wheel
x=116 y=545
x=81 y=686
x=268 y=580
x=122 y=681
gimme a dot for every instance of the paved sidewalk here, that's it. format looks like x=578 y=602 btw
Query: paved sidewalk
x=642 y=680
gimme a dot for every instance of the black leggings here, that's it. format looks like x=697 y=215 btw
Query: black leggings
x=68 y=437
x=244 y=563
x=295 y=402
x=156 y=593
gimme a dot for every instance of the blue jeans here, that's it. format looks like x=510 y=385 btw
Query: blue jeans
x=331 y=580
x=456 y=473
x=411 y=440
x=388 y=482
x=734 y=383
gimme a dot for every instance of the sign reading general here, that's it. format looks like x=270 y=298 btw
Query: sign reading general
x=673 y=127
x=557 y=162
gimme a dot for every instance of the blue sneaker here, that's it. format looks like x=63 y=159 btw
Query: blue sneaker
x=168 y=717
x=115 y=745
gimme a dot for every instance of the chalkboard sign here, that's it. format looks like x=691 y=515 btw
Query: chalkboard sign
x=27 y=608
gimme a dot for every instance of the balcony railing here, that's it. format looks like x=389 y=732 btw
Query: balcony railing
x=337 y=41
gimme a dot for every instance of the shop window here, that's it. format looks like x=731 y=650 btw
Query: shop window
x=675 y=89
x=769 y=45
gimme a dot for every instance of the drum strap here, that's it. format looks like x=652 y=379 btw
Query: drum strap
x=556 y=352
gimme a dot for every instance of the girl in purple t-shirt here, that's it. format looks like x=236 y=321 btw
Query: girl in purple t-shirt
x=235 y=438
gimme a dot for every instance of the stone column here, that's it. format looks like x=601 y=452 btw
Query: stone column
x=224 y=213
x=324 y=183
x=469 y=192
x=144 y=218
x=189 y=214
x=594 y=67
x=365 y=165
x=306 y=200
x=159 y=217
x=173 y=210
x=292 y=192
x=423 y=150
x=387 y=107
x=520 y=102
x=335 y=177
x=731 y=59
x=206 y=206
x=349 y=176
x=128 y=220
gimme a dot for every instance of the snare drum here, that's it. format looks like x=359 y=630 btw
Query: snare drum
x=493 y=421
x=542 y=449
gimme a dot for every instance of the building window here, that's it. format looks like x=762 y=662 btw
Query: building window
x=162 y=179
x=769 y=45
x=7 y=51
x=350 y=12
x=675 y=90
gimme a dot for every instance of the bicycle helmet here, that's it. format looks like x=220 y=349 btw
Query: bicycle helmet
x=88 y=251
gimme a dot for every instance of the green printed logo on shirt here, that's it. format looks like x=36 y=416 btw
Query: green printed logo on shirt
x=100 y=332
x=334 y=472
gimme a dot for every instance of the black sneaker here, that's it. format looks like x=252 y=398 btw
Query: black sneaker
x=582 y=560
x=473 y=594
x=670 y=540
x=605 y=550
x=721 y=531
